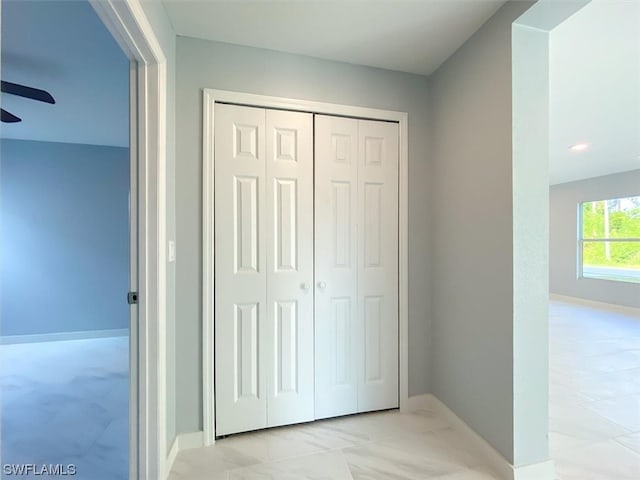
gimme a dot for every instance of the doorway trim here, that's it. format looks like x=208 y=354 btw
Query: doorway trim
x=210 y=97
x=130 y=27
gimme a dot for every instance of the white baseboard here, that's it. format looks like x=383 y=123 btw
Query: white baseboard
x=63 y=336
x=543 y=470
x=183 y=441
x=592 y=303
x=494 y=459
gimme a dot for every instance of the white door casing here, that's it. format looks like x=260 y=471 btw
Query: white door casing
x=240 y=293
x=128 y=23
x=289 y=240
x=336 y=266
x=378 y=264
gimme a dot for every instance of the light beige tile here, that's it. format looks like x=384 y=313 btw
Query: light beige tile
x=479 y=473
x=274 y=444
x=213 y=460
x=583 y=424
x=69 y=403
x=630 y=441
x=624 y=411
x=600 y=461
x=322 y=466
x=594 y=393
x=561 y=441
x=413 y=456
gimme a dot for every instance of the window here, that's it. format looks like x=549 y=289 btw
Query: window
x=609 y=239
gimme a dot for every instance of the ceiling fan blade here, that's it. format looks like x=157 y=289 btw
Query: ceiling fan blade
x=9 y=117
x=27 y=92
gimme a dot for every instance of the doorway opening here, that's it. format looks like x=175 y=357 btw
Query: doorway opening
x=564 y=54
x=128 y=24
x=594 y=242
x=65 y=234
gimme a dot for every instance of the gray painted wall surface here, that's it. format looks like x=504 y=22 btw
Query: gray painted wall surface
x=166 y=36
x=564 y=201
x=64 y=230
x=204 y=64
x=472 y=225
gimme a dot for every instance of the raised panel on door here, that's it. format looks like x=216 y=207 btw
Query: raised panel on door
x=289 y=256
x=240 y=269
x=336 y=262
x=378 y=264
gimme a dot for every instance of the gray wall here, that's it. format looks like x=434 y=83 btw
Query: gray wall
x=64 y=231
x=472 y=225
x=564 y=201
x=204 y=64
x=164 y=32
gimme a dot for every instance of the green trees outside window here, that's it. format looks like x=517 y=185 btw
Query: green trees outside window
x=610 y=239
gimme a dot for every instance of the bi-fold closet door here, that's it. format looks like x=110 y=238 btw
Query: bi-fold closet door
x=356 y=266
x=263 y=268
x=280 y=358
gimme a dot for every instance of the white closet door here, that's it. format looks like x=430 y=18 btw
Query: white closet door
x=378 y=264
x=289 y=240
x=336 y=266
x=240 y=269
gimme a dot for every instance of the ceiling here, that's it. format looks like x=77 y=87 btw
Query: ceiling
x=595 y=91
x=594 y=63
x=64 y=48
x=408 y=36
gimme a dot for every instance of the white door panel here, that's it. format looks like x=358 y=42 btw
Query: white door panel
x=336 y=329
x=289 y=241
x=378 y=264
x=306 y=240
x=240 y=296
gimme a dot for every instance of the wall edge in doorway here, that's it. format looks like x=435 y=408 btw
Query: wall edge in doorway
x=500 y=465
x=63 y=336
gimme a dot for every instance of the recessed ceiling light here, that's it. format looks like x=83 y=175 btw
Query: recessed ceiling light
x=579 y=147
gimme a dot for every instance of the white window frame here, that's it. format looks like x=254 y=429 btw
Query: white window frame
x=582 y=240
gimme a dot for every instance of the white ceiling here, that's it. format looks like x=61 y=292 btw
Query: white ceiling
x=64 y=48
x=594 y=63
x=408 y=36
x=595 y=91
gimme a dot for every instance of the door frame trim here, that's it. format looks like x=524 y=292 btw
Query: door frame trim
x=210 y=97
x=128 y=23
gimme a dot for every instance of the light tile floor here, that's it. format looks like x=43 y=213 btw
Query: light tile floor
x=594 y=392
x=69 y=404
x=384 y=445
x=594 y=423
x=66 y=402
